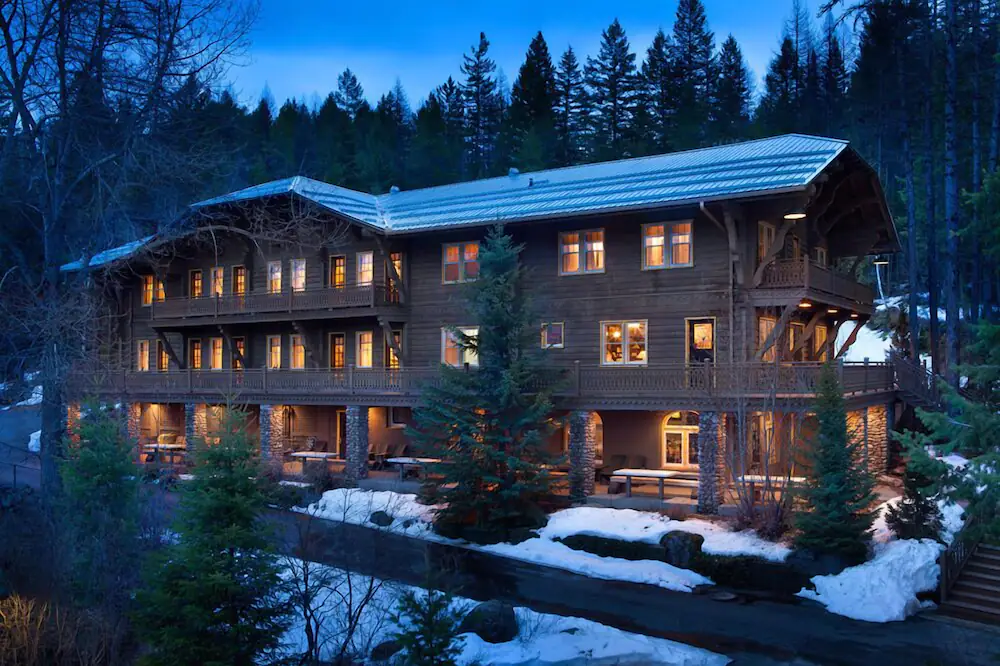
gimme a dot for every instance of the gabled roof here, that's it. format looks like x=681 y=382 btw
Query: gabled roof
x=108 y=256
x=780 y=164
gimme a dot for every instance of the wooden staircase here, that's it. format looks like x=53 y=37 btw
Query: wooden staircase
x=975 y=592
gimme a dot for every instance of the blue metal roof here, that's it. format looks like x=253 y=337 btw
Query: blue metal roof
x=108 y=256
x=766 y=166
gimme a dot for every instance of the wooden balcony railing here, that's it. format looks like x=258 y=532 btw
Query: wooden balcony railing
x=324 y=298
x=799 y=273
x=699 y=381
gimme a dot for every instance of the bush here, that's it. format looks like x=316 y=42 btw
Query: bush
x=318 y=475
x=916 y=516
x=429 y=629
x=744 y=572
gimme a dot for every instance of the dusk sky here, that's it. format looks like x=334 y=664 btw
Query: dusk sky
x=300 y=46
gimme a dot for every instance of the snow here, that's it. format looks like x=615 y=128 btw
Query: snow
x=869 y=344
x=955 y=460
x=35 y=441
x=355 y=506
x=295 y=484
x=34 y=399
x=543 y=639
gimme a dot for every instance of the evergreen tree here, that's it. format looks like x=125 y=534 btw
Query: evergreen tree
x=434 y=160
x=259 y=148
x=840 y=492
x=916 y=516
x=335 y=143
x=532 y=101
x=350 y=95
x=659 y=93
x=834 y=82
x=695 y=67
x=611 y=87
x=215 y=596
x=429 y=628
x=482 y=113
x=491 y=423
x=292 y=140
x=734 y=92
x=569 y=110
x=811 y=102
x=777 y=112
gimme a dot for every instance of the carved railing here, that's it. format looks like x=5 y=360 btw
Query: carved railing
x=324 y=298
x=793 y=273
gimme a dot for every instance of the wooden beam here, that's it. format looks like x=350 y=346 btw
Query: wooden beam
x=779 y=328
x=860 y=203
x=851 y=338
x=397 y=279
x=169 y=348
x=808 y=332
x=735 y=256
x=391 y=340
x=777 y=246
x=232 y=348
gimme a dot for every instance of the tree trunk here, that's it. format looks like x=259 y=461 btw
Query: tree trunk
x=951 y=202
x=934 y=328
x=976 y=281
x=912 y=261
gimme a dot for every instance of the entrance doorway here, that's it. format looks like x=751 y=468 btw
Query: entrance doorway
x=680 y=440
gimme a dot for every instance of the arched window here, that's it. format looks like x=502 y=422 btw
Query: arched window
x=680 y=440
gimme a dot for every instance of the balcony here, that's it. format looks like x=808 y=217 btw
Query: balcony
x=664 y=386
x=265 y=305
x=812 y=280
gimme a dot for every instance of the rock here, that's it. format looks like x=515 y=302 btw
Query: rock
x=681 y=548
x=493 y=621
x=722 y=596
x=380 y=518
x=408 y=523
x=385 y=650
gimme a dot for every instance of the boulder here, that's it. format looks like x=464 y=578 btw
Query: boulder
x=681 y=549
x=385 y=650
x=380 y=518
x=493 y=621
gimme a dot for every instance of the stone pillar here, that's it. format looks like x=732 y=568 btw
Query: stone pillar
x=709 y=485
x=190 y=432
x=582 y=449
x=266 y=412
x=133 y=416
x=356 y=464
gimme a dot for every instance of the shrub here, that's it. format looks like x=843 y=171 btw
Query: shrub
x=428 y=630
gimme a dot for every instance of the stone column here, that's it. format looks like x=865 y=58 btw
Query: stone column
x=708 y=463
x=133 y=415
x=190 y=432
x=266 y=412
x=356 y=464
x=582 y=449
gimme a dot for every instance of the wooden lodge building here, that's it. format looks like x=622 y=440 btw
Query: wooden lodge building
x=677 y=295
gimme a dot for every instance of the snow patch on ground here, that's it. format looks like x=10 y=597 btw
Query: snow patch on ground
x=355 y=506
x=34 y=399
x=35 y=441
x=869 y=344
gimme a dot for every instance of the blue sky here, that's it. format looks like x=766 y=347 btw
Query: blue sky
x=300 y=46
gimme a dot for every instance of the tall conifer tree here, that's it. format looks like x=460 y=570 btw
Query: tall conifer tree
x=482 y=113
x=569 y=111
x=777 y=112
x=695 y=67
x=532 y=103
x=350 y=95
x=659 y=91
x=611 y=88
x=734 y=92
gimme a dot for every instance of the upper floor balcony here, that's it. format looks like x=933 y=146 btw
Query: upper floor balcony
x=806 y=279
x=348 y=300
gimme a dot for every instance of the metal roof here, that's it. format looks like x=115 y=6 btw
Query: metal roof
x=108 y=256
x=752 y=168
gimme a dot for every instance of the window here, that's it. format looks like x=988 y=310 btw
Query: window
x=624 y=342
x=364 y=349
x=298 y=274
x=274 y=352
x=337 y=358
x=218 y=279
x=394 y=417
x=397 y=262
x=819 y=340
x=656 y=238
x=795 y=334
x=796 y=248
x=680 y=439
x=195 y=286
x=162 y=359
x=391 y=358
x=194 y=354
x=215 y=362
x=452 y=352
x=821 y=256
x=274 y=277
x=366 y=268
x=239 y=280
x=239 y=351
x=581 y=252
x=552 y=335
x=298 y=346
x=338 y=272
x=161 y=294
x=147 y=289
x=142 y=356
x=701 y=340
x=764 y=327
x=460 y=262
x=765 y=239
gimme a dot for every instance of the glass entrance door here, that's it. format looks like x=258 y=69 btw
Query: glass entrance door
x=680 y=440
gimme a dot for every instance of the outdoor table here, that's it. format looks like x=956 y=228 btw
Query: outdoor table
x=406 y=462
x=659 y=475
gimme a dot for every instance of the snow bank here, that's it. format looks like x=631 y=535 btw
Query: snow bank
x=35 y=441
x=649 y=527
x=885 y=588
x=355 y=506
x=34 y=399
x=869 y=344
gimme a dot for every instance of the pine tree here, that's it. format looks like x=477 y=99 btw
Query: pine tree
x=659 y=94
x=532 y=101
x=777 y=112
x=482 y=116
x=611 y=89
x=734 y=92
x=429 y=628
x=292 y=140
x=433 y=159
x=491 y=423
x=695 y=66
x=569 y=110
x=335 y=143
x=259 y=148
x=916 y=516
x=833 y=81
x=350 y=95
x=215 y=596
x=810 y=104
x=840 y=492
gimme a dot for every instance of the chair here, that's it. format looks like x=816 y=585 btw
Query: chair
x=617 y=461
x=396 y=450
x=379 y=454
x=637 y=462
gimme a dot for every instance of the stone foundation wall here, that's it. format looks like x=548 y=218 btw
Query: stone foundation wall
x=710 y=484
x=272 y=431
x=869 y=427
x=133 y=421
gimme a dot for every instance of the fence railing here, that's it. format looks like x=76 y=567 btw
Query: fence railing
x=956 y=555
x=791 y=273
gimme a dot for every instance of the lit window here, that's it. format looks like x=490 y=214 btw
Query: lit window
x=147 y=289
x=239 y=349
x=624 y=343
x=338 y=272
x=452 y=351
x=391 y=358
x=298 y=353
x=196 y=288
x=298 y=274
x=701 y=340
x=274 y=352
x=653 y=241
x=680 y=244
x=216 y=360
x=337 y=359
x=274 y=277
x=460 y=262
x=142 y=356
x=581 y=252
x=239 y=280
x=161 y=294
x=765 y=239
x=365 y=349
x=162 y=359
x=366 y=268
x=764 y=327
x=218 y=280
x=194 y=354
x=552 y=335
x=819 y=337
x=397 y=263
x=657 y=238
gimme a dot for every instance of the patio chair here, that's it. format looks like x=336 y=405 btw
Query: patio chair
x=396 y=450
x=637 y=462
x=617 y=461
x=379 y=454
